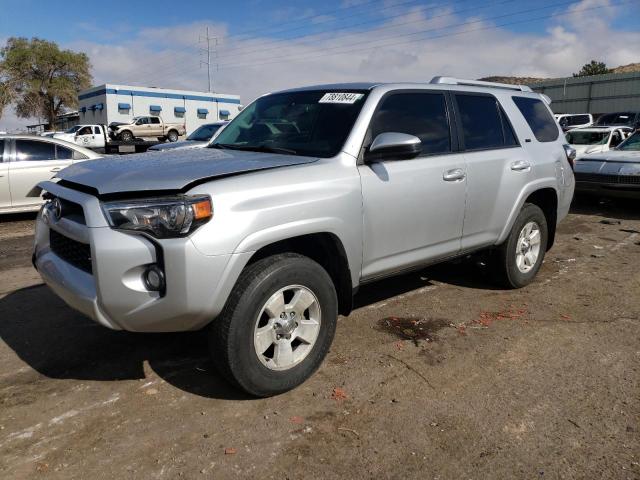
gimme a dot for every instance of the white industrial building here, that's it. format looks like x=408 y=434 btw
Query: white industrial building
x=120 y=103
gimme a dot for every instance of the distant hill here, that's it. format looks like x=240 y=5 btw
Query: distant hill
x=632 y=67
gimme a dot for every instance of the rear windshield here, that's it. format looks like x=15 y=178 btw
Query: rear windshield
x=308 y=123
x=587 y=138
x=204 y=133
x=631 y=144
x=537 y=115
x=615 y=119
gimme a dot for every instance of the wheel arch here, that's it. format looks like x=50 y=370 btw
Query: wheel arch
x=544 y=194
x=326 y=249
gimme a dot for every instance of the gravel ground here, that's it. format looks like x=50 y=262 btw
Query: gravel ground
x=436 y=375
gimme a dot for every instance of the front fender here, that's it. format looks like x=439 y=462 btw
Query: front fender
x=335 y=226
x=531 y=187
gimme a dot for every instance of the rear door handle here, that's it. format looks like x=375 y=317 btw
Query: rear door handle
x=55 y=169
x=454 y=175
x=520 y=166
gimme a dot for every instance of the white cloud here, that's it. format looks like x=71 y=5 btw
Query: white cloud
x=168 y=57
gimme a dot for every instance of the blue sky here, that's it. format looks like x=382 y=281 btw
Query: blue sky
x=73 y=20
x=266 y=45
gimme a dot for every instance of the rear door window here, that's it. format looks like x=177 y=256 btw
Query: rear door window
x=423 y=115
x=63 y=153
x=537 y=115
x=482 y=122
x=30 y=150
x=155 y=120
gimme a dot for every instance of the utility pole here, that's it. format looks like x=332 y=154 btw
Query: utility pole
x=208 y=39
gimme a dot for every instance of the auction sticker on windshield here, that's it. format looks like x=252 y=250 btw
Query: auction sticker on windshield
x=337 y=97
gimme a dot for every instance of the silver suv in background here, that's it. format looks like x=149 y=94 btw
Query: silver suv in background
x=305 y=196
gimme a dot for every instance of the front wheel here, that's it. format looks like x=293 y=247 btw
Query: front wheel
x=520 y=257
x=277 y=325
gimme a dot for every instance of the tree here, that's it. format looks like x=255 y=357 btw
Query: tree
x=40 y=79
x=592 y=68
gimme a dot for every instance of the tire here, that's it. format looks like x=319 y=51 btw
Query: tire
x=172 y=136
x=234 y=337
x=126 y=136
x=514 y=269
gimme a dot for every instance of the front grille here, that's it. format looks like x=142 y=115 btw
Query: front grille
x=76 y=253
x=598 y=178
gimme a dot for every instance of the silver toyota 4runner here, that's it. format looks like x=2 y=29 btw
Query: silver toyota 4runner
x=309 y=193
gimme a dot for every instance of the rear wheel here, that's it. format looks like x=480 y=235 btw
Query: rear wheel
x=520 y=257
x=277 y=325
x=172 y=136
x=126 y=136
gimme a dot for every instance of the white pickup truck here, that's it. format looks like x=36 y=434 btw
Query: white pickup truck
x=88 y=136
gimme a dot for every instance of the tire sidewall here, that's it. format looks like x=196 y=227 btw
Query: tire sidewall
x=527 y=214
x=250 y=373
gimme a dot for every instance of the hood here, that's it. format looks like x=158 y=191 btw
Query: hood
x=64 y=136
x=155 y=171
x=586 y=149
x=621 y=156
x=179 y=145
x=118 y=124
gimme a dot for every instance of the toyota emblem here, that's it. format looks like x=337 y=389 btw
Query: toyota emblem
x=57 y=209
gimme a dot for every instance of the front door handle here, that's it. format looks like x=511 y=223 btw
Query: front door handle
x=454 y=175
x=520 y=166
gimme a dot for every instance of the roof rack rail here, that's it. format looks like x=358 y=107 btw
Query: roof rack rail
x=479 y=83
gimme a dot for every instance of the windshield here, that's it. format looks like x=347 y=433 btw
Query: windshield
x=309 y=123
x=612 y=119
x=587 y=138
x=204 y=133
x=631 y=144
x=73 y=129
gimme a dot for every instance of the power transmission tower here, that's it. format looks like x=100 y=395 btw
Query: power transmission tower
x=208 y=51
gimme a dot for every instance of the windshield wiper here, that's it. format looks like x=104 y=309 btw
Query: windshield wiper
x=254 y=148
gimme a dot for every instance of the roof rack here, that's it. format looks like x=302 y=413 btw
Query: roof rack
x=479 y=83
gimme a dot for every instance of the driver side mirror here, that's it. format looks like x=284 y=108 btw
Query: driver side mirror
x=394 y=146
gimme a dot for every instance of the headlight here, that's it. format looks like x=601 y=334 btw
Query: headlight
x=163 y=217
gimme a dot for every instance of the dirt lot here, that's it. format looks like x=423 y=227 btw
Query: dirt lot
x=435 y=375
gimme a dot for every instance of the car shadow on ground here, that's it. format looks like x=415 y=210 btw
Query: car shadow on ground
x=18 y=217
x=60 y=343
x=606 y=207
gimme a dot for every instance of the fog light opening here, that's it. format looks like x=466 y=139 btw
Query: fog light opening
x=153 y=278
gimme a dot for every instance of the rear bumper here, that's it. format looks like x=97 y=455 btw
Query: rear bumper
x=113 y=294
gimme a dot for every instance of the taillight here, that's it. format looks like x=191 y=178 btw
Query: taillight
x=570 y=152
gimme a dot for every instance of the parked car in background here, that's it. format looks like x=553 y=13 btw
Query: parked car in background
x=596 y=139
x=567 y=121
x=619 y=119
x=198 y=139
x=614 y=173
x=147 y=126
x=25 y=161
x=306 y=195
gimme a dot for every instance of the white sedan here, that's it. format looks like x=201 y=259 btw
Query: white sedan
x=25 y=161
x=596 y=139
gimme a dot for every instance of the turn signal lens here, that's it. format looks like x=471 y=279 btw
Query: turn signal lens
x=202 y=210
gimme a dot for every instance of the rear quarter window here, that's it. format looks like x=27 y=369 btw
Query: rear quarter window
x=537 y=115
